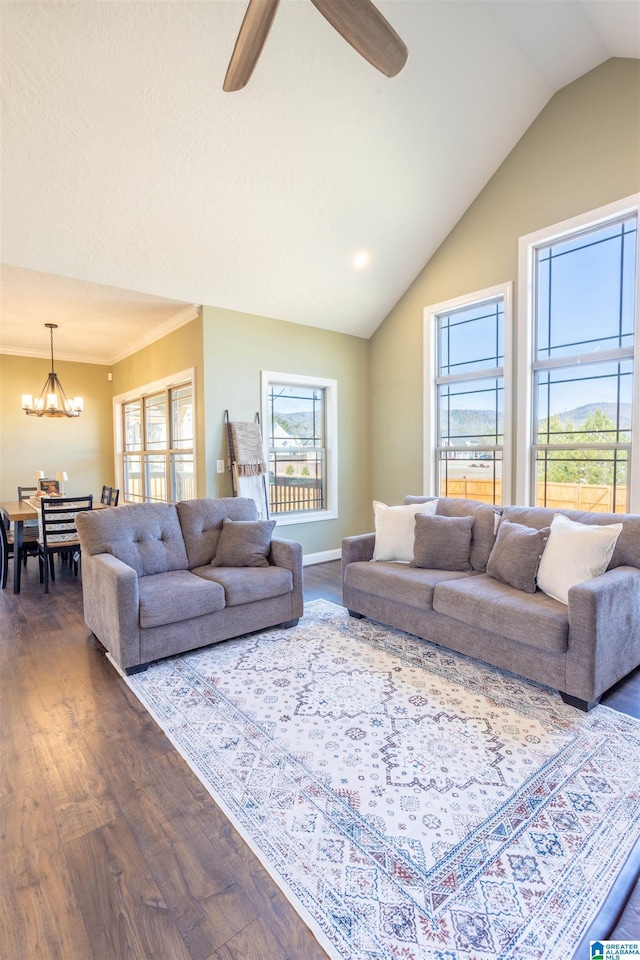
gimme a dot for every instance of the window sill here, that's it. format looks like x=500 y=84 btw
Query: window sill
x=286 y=520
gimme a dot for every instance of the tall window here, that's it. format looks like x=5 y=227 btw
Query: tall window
x=299 y=418
x=583 y=335
x=467 y=345
x=158 y=445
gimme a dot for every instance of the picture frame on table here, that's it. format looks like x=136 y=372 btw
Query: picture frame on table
x=49 y=487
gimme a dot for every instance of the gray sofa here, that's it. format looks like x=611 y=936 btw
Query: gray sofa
x=580 y=649
x=150 y=589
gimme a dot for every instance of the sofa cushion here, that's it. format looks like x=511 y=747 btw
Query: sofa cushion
x=145 y=536
x=627 y=549
x=516 y=554
x=395 y=529
x=442 y=543
x=575 y=552
x=246 y=584
x=485 y=517
x=176 y=596
x=398 y=581
x=201 y=522
x=481 y=601
x=244 y=543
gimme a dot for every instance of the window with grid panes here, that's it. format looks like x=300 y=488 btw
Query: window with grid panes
x=468 y=397
x=158 y=445
x=299 y=415
x=582 y=372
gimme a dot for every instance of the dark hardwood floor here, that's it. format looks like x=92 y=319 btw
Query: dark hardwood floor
x=110 y=848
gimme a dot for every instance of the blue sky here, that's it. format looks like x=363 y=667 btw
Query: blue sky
x=586 y=285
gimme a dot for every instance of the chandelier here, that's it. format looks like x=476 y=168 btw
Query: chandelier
x=52 y=401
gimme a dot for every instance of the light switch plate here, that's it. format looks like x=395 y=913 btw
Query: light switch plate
x=220 y=466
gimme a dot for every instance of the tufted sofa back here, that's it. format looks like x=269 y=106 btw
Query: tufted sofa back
x=158 y=537
x=145 y=536
x=201 y=522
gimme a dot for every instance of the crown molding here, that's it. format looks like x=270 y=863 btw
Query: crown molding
x=178 y=320
x=46 y=355
x=173 y=323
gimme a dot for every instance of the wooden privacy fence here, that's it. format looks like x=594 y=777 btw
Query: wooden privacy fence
x=593 y=498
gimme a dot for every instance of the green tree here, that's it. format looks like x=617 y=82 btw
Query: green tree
x=591 y=465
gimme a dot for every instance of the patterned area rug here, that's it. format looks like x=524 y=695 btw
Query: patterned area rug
x=411 y=802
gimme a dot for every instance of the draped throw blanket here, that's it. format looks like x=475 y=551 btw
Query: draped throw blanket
x=254 y=488
x=247 y=452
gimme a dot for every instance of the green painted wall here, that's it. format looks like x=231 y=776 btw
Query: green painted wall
x=82 y=446
x=581 y=152
x=237 y=347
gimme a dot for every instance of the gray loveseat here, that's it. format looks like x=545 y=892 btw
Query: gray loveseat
x=581 y=648
x=150 y=589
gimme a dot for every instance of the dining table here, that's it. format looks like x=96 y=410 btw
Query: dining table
x=18 y=512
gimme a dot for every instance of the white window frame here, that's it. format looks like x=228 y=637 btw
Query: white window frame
x=527 y=246
x=156 y=386
x=503 y=291
x=269 y=377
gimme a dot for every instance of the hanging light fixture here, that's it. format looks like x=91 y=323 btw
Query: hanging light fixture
x=52 y=401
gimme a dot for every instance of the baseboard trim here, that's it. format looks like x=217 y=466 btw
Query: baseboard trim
x=309 y=559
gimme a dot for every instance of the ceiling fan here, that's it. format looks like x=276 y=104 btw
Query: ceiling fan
x=358 y=21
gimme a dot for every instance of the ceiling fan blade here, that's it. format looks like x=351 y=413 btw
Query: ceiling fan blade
x=253 y=33
x=363 y=26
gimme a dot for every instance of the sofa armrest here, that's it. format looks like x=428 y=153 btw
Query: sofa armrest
x=604 y=630
x=357 y=548
x=288 y=554
x=111 y=606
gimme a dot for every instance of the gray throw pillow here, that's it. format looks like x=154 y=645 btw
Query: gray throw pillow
x=244 y=543
x=516 y=554
x=442 y=543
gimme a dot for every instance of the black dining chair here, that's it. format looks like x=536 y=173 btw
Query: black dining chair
x=110 y=496
x=7 y=548
x=29 y=525
x=57 y=533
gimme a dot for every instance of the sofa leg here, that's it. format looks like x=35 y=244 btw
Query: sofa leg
x=356 y=616
x=139 y=668
x=291 y=623
x=584 y=705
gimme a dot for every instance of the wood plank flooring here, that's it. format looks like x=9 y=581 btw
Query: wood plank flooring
x=110 y=848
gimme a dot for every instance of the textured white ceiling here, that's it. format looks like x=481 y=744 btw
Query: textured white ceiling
x=124 y=164
x=96 y=323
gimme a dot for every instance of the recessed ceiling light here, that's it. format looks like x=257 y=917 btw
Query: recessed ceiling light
x=360 y=260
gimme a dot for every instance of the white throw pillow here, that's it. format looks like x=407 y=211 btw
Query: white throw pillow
x=575 y=552
x=395 y=529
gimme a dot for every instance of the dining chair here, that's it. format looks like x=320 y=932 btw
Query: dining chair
x=110 y=496
x=7 y=548
x=57 y=532
x=23 y=494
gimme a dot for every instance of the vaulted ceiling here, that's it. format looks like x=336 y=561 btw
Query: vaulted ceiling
x=125 y=165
